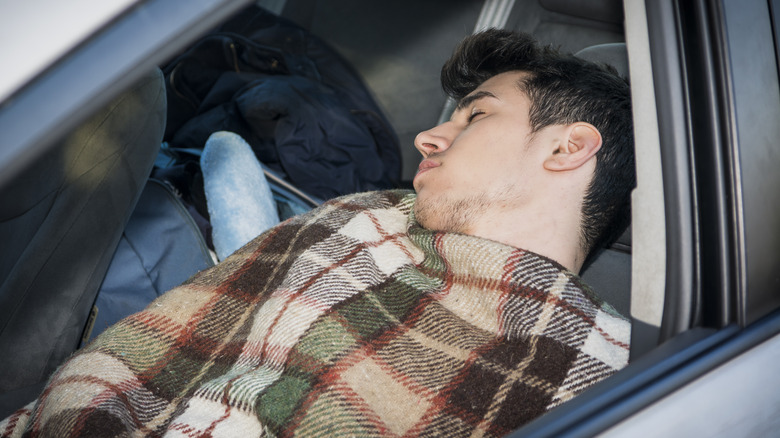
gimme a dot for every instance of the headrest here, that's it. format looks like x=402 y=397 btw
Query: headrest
x=610 y=11
x=614 y=54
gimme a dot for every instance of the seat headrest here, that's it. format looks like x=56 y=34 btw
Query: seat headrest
x=614 y=54
x=610 y=11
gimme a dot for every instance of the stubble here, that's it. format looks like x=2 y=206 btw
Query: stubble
x=461 y=214
x=449 y=215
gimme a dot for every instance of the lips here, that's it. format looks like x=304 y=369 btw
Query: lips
x=426 y=165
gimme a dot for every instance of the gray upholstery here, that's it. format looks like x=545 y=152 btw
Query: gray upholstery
x=614 y=54
x=60 y=222
x=610 y=276
x=609 y=11
x=570 y=25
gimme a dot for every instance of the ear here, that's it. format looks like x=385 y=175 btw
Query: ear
x=581 y=142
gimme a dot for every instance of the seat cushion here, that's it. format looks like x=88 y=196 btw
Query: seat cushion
x=59 y=239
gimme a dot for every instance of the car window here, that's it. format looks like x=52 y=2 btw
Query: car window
x=704 y=245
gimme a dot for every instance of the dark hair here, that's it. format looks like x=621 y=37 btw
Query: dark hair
x=562 y=89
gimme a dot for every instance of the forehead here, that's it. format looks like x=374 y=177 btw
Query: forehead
x=504 y=86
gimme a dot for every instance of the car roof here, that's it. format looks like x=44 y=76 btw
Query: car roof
x=43 y=38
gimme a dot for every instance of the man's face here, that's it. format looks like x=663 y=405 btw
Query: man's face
x=481 y=163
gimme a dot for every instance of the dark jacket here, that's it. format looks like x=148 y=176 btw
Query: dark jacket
x=302 y=108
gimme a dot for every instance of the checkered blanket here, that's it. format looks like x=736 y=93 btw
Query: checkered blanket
x=351 y=320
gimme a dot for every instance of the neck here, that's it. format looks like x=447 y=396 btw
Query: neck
x=544 y=230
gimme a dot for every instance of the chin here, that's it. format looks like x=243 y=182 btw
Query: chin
x=445 y=214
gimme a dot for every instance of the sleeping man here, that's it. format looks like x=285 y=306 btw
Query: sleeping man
x=448 y=311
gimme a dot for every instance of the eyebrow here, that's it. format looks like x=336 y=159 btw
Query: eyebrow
x=471 y=98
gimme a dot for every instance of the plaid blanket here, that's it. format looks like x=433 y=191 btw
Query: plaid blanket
x=351 y=320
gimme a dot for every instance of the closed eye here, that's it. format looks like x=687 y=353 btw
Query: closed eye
x=474 y=114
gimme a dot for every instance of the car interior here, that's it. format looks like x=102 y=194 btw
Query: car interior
x=58 y=251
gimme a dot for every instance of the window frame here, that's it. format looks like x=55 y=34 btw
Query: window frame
x=719 y=305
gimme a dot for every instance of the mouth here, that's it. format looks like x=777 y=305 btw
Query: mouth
x=426 y=165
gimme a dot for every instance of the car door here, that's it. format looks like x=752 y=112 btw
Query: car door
x=705 y=304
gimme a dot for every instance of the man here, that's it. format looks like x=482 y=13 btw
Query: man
x=455 y=311
x=525 y=137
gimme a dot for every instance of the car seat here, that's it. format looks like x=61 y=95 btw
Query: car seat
x=60 y=222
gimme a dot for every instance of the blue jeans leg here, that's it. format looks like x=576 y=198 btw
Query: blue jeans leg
x=239 y=199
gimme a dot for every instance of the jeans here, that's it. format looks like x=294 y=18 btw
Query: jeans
x=239 y=200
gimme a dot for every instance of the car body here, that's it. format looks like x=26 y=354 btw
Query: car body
x=705 y=243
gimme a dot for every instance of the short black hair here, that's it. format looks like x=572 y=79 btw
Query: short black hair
x=562 y=89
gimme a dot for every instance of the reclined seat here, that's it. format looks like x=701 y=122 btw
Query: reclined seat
x=60 y=222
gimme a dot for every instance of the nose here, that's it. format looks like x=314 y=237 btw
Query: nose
x=434 y=140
